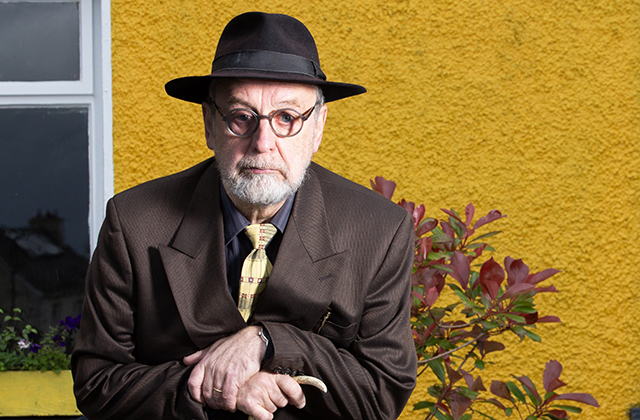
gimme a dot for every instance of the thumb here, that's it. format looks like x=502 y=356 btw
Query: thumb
x=194 y=358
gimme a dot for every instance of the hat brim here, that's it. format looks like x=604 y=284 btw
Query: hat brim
x=195 y=88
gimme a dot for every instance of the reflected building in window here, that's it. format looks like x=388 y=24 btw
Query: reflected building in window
x=39 y=272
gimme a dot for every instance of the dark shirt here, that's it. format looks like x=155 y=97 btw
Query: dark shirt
x=237 y=243
x=238 y=246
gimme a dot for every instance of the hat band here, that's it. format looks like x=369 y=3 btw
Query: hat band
x=267 y=61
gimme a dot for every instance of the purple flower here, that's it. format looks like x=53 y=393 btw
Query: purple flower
x=70 y=323
x=35 y=347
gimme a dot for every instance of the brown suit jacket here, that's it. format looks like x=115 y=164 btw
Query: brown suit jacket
x=157 y=291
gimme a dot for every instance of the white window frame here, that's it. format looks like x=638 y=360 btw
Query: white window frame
x=92 y=91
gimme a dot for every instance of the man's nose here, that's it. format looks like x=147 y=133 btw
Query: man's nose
x=264 y=139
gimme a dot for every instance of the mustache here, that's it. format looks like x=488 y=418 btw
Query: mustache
x=256 y=163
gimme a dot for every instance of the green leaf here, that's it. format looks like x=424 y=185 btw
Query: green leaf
x=445 y=268
x=516 y=318
x=472 y=395
x=479 y=364
x=485 y=415
x=437 y=367
x=7 y=318
x=568 y=408
x=525 y=308
x=508 y=411
x=422 y=405
x=515 y=391
x=531 y=335
x=489 y=325
x=466 y=417
x=484 y=236
x=442 y=416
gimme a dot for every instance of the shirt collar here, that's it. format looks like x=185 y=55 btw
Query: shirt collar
x=235 y=222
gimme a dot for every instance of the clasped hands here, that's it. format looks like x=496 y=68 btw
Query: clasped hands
x=227 y=376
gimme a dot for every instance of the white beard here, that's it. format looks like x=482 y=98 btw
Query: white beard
x=260 y=190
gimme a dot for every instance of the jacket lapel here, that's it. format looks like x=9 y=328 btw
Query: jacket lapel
x=299 y=289
x=206 y=307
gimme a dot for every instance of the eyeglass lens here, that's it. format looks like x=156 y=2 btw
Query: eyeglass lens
x=284 y=122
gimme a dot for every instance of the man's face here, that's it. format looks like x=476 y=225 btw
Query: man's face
x=263 y=169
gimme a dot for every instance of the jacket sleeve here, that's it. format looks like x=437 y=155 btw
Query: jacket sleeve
x=373 y=376
x=109 y=383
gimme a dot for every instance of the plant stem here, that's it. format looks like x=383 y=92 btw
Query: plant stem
x=422 y=362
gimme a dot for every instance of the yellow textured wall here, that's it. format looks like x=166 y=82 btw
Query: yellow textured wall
x=531 y=107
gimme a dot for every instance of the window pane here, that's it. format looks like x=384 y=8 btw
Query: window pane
x=39 y=41
x=44 y=191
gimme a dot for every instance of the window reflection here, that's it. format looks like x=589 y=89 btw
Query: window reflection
x=44 y=196
x=39 y=41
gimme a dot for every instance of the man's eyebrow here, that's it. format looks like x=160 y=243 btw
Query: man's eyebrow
x=233 y=100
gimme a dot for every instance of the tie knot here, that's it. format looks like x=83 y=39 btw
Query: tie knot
x=260 y=234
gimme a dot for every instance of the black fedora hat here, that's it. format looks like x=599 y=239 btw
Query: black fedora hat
x=265 y=46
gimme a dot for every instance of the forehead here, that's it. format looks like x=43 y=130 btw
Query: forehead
x=265 y=92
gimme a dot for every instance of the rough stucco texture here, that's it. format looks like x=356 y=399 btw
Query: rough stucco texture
x=528 y=107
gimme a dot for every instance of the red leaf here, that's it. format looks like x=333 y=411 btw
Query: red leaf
x=527 y=383
x=443 y=407
x=419 y=297
x=548 y=319
x=383 y=186
x=491 y=276
x=452 y=374
x=425 y=246
x=487 y=347
x=517 y=289
x=461 y=269
x=517 y=271
x=459 y=404
x=561 y=414
x=407 y=205
x=432 y=296
x=452 y=214
x=425 y=226
x=548 y=289
x=471 y=384
x=469 y=211
x=468 y=378
x=492 y=216
x=418 y=214
x=496 y=403
x=541 y=276
x=531 y=319
x=552 y=371
x=579 y=397
x=447 y=229
x=500 y=389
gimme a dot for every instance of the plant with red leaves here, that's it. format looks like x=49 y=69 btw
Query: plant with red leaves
x=485 y=306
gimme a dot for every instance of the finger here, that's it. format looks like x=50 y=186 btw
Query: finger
x=194 y=358
x=229 y=396
x=292 y=390
x=195 y=384
x=212 y=392
x=260 y=413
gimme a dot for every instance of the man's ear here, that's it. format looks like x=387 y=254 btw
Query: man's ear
x=206 y=116
x=319 y=128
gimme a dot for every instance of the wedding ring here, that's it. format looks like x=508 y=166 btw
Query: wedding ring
x=217 y=390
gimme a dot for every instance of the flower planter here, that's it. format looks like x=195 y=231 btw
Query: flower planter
x=634 y=413
x=37 y=394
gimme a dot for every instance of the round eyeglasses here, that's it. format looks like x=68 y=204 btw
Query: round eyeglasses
x=242 y=122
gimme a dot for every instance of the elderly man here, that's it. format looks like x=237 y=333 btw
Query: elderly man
x=213 y=290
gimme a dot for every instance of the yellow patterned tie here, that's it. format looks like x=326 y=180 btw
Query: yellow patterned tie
x=256 y=268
